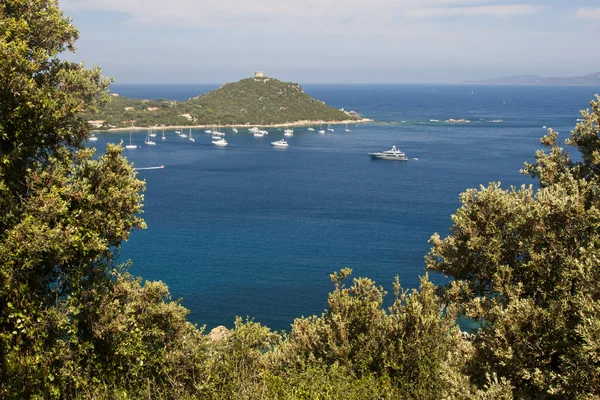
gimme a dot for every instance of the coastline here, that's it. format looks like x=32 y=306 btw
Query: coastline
x=291 y=124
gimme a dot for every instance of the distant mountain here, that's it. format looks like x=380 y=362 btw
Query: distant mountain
x=591 y=79
x=252 y=101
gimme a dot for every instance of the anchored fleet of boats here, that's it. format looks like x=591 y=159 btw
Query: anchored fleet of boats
x=218 y=139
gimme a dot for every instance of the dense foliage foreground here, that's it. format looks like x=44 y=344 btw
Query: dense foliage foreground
x=73 y=324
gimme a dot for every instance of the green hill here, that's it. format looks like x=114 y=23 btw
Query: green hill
x=249 y=101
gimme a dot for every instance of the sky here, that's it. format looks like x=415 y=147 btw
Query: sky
x=335 y=41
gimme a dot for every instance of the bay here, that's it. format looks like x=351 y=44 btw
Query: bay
x=250 y=230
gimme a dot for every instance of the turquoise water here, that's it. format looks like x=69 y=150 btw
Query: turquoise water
x=255 y=231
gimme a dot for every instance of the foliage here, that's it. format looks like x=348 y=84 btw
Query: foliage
x=249 y=101
x=525 y=264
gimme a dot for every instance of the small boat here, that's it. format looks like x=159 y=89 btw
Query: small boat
x=93 y=138
x=288 y=132
x=329 y=128
x=181 y=134
x=310 y=128
x=130 y=146
x=347 y=130
x=152 y=134
x=393 y=154
x=190 y=138
x=220 y=142
x=215 y=137
x=259 y=133
x=234 y=130
x=321 y=130
x=149 y=141
x=208 y=131
x=163 y=135
x=254 y=129
x=280 y=143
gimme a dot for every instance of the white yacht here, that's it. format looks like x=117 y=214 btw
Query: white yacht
x=208 y=131
x=288 y=132
x=220 y=142
x=152 y=134
x=149 y=141
x=259 y=133
x=234 y=130
x=310 y=128
x=190 y=138
x=181 y=134
x=393 y=154
x=329 y=128
x=254 y=129
x=280 y=143
x=130 y=146
x=215 y=137
x=93 y=138
x=321 y=130
x=347 y=130
x=163 y=135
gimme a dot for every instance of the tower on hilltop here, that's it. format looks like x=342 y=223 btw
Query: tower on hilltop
x=259 y=74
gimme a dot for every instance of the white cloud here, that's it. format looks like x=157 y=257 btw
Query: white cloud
x=311 y=15
x=510 y=10
x=588 y=13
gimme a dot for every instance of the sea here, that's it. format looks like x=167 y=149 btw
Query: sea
x=255 y=231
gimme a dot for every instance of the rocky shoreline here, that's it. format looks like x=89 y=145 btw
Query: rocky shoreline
x=243 y=126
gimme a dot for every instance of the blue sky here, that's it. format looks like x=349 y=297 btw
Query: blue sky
x=335 y=41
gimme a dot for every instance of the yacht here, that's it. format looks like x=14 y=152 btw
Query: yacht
x=280 y=143
x=93 y=138
x=152 y=134
x=259 y=133
x=130 y=146
x=393 y=154
x=288 y=132
x=310 y=128
x=220 y=142
x=181 y=134
x=190 y=138
x=208 y=131
x=254 y=129
x=347 y=130
x=149 y=141
x=234 y=130
x=329 y=128
x=163 y=135
x=321 y=130
x=215 y=137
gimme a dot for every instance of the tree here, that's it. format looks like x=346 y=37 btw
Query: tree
x=62 y=213
x=525 y=263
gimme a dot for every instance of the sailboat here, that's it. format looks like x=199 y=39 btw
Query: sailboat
x=190 y=138
x=152 y=134
x=148 y=141
x=329 y=128
x=288 y=131
x=234 y=128
x=347 y=130
x=130 y=146
x=321 y=130
x=310 y=128
x=208 y=131
x=93 y=138
x=163 y=135
x=181 y=134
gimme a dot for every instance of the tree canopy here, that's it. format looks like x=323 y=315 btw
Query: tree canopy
x=74 y=324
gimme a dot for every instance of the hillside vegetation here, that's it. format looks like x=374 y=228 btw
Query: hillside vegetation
x=75 y=325
x=251 y=101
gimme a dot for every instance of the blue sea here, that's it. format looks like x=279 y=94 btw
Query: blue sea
x=250 y=230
